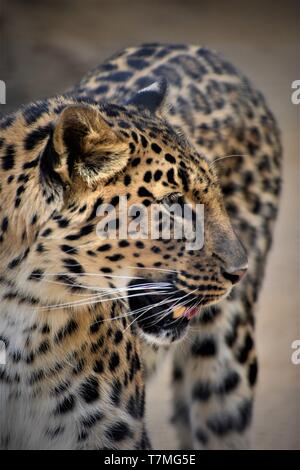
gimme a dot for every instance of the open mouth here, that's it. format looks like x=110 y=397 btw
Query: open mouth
x=164 y=312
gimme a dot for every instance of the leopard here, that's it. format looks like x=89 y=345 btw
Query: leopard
x=84 y=319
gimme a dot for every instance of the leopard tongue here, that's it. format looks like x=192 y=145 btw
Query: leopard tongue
x=191 y=312
x=184 y=311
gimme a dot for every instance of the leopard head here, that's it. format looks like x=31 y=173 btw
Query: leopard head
x=82 y=162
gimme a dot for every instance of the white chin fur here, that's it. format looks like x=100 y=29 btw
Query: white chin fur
x=163 y=340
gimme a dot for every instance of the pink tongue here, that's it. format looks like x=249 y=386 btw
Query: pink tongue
x=191 y=312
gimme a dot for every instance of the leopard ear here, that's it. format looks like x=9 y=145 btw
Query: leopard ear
x=152 y=98
x=83 y=147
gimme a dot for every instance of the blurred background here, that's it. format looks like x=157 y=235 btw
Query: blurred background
x=47 y=45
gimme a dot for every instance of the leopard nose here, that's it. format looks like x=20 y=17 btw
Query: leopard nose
x=235 y=276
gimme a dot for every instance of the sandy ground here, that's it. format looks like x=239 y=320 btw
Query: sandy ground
x=45 y=46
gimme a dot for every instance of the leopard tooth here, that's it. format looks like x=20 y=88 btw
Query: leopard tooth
x=178 y=312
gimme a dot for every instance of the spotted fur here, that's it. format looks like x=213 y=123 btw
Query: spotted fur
x=74 y=374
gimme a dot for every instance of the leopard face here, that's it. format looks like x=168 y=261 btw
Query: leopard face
x=84 y=156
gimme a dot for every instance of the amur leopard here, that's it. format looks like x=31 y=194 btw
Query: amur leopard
x=81 y=318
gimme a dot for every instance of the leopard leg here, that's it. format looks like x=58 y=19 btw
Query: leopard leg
x=181 y=416
x=213 y=380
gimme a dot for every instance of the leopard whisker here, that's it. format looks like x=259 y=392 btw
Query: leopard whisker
x=89 y=301
x=130 y=313
x=156 y=269
x=90 y=274
x=144 y=310
x=226 y=156
x=165 y=314
x=108 y=289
